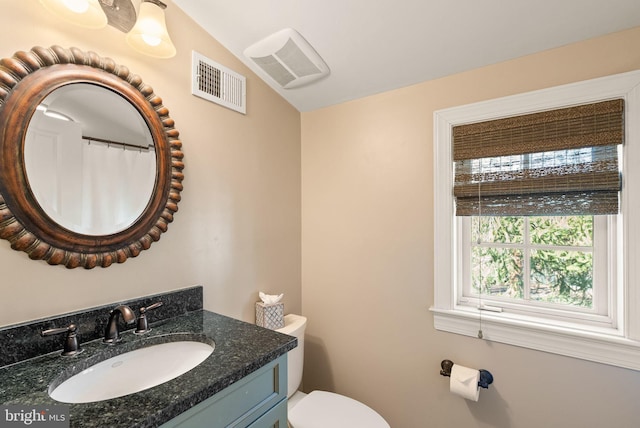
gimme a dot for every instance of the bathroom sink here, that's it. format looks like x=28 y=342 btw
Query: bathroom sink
x=131 y=372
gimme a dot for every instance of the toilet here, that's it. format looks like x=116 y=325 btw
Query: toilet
x=320 y=409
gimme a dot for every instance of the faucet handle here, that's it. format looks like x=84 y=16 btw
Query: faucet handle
x=148 y=308
x=143 y=323
x=71 y=345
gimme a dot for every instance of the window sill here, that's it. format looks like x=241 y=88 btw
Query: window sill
x=602 y=345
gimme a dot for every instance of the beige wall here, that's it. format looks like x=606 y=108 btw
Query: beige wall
x=367 y=244
x=237 y=230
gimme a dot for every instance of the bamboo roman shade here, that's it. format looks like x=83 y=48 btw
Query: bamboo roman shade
x=557 y=162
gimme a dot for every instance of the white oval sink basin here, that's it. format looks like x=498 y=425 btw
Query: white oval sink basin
x=132 y=372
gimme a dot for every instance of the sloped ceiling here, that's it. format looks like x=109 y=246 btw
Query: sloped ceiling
x=375 y=46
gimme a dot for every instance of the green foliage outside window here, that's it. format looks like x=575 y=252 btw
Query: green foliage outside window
x=558 y=254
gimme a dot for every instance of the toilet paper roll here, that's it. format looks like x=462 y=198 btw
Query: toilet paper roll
x=464 y=382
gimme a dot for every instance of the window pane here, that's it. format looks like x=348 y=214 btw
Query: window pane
x=498 y=271
x=561 y=158
x=571 y=230
x=562 y=277
x=503 y=230
x=497 y=164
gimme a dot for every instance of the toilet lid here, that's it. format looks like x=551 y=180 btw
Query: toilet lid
x=321 y=409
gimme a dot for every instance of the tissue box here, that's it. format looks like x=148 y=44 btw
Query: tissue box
x=270 y=316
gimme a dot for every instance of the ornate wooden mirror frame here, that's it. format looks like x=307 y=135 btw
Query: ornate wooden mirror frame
x=25 y=80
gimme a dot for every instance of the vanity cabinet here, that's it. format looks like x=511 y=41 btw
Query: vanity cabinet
x=258 y=401
x=243 y=383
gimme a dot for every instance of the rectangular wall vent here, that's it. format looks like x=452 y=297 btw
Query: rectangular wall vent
x=218 y=84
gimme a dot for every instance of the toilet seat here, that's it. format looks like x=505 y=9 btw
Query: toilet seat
x=321 y=409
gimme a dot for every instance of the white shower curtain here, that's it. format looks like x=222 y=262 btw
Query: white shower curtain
x=116 y=186
x=88 y=187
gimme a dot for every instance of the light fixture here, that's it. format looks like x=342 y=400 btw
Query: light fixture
x=150 y=35
x=53 y=114
x=85 y=13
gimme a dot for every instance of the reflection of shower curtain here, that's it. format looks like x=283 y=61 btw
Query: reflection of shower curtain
x=116 y=186
x=93 y=188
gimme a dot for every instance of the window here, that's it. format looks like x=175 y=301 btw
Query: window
x=528 y=267
x=555 y=267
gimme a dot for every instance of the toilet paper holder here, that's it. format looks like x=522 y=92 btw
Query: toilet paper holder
x=486 y=378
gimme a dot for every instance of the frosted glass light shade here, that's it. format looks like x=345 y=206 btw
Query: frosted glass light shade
x=150 y=36
x=85 y=13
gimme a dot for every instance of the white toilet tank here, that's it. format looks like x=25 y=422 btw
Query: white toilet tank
x=294 y=325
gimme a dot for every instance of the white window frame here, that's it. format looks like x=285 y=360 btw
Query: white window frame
x=603 y=312
x=617 y=344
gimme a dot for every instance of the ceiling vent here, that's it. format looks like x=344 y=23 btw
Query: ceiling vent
x=288 y=59
x=218 y=84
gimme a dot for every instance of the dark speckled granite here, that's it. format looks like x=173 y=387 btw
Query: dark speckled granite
x=240 y=349
x=22 y=341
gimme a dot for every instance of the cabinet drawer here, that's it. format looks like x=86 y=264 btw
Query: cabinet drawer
x=274 y=418
x=241 y=403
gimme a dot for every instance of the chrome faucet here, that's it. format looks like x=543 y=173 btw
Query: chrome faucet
x=112 y=333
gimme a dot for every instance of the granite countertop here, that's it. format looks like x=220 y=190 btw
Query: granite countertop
x=240 y=349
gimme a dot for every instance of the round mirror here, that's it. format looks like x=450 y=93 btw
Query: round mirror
x=90 y=161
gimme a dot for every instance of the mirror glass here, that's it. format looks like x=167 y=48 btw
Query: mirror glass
x=90 y=159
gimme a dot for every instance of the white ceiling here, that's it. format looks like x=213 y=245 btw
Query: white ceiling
x=372 y=46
